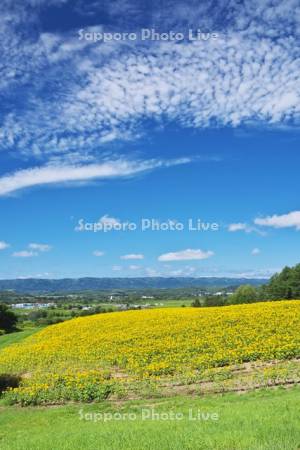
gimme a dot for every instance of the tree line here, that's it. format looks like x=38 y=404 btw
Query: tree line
x=282 y=286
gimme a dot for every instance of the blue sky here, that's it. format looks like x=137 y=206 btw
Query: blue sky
x=171 y=130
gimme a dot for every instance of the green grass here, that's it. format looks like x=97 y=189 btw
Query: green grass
x=166 y=303
x=13 y=338
x=262 y=420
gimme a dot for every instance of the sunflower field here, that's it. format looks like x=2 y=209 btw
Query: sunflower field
x=88 y=358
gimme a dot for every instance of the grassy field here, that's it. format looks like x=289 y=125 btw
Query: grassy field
x=262 y=420
x=14 y=338
x=173 y=303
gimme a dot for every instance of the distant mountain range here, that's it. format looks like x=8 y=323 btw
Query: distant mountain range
x=38 y=285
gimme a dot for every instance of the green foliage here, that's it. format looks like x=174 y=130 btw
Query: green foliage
x=283 y=285
x=196 y=303
x=210 y=300
x=215 y=300
x=244 y=294
x=58 y=389
x=8 y=320
x=8 y=381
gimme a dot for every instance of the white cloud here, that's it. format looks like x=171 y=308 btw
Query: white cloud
x=290 y=220
x=24 y=254
x=248 y=274
x=211 y=272
x=238 y=227
x=132 y=256
x=151 y=272
x=184 y=272
x=255 y=251
x=185 y=255
x=3 y=245
x=106 y=91
x=109 y=221
x=40 y=247
x=34 y=250
x=35 y=275
x=134 y=267
x=98 y=253
x=116 y=268
x=61 y=174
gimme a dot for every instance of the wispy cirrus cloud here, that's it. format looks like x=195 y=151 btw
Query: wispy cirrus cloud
x=229 y=82
x=250 y=75
x=106 y=93
x=54 y=174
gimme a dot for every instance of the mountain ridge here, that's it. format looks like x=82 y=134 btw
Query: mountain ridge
x=44 y=285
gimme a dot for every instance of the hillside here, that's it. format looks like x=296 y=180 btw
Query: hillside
x=37 y=285
x=97 y=356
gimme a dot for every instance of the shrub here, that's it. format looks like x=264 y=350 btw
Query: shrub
x=9 y=381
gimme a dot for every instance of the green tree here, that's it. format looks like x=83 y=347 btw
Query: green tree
x=8 y=319
x=244 y=294
x=215 y=300
x=196 y=303
x=283 y=285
